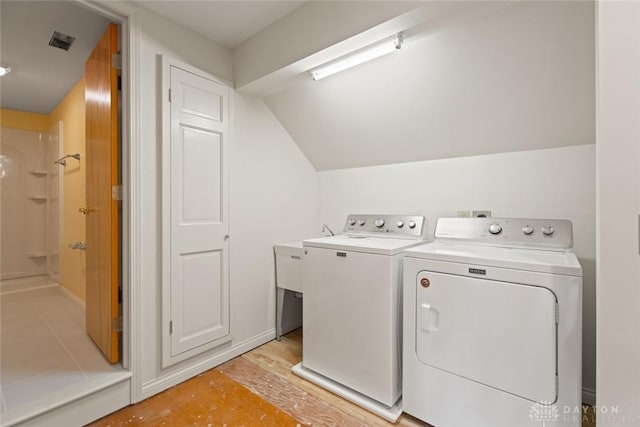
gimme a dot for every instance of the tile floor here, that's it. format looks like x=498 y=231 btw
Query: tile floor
x=45 y=351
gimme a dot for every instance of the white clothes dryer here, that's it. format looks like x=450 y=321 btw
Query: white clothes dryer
x=493 y=325
x=352 y=310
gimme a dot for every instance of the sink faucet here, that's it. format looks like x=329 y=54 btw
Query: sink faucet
x=325 y=227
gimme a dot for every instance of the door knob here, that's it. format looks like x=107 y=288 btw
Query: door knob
x=86 y=210
x=78 y=245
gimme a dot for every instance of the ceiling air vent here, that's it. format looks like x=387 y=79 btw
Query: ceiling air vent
x=61 y=41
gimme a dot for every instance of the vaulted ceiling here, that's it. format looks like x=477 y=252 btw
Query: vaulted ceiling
x=512 y=77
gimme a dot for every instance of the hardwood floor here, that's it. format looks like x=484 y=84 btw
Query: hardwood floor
x=267 y=372
x=255 y=389
x=210 y=399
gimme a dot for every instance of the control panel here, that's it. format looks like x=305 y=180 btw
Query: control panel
x=547 y=233
x=397 y=225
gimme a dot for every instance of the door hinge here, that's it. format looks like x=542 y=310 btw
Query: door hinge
x=169 y=94
x=557 y=313
x=170 y=327
x=116 y=324
x=116 y=61
x=116 y=192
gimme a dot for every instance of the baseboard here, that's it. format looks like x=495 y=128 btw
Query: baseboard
x=14 y=275
x=73 y=297
x=160 y=384
x=588 y=396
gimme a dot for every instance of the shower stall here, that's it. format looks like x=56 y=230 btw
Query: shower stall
x=30 y=191
x=46 y=355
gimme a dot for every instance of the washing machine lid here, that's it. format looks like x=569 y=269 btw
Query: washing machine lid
x=365 y=244
x=543 y=261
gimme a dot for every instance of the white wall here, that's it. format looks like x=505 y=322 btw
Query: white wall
x=553 y=183
x=618 y=158
x=272 y=199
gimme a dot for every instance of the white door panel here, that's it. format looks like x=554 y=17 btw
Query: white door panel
x=201 y=159
x=201 y=102
x=496 y=333
x=198 y=283
x=197 y=224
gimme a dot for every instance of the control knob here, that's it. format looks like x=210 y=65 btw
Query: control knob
x=361 y=222
x=412 y=224
x=379 y=223
x=527 y=229
x=547 y=230
x=495 y=228
x=352 y=221
x=400 y=224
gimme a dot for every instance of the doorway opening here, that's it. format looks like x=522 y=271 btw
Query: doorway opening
x=48 y=357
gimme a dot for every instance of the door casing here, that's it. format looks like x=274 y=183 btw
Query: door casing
x=129 y=19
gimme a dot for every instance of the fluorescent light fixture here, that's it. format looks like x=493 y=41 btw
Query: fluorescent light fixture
x=4 y=71
x=367 y=54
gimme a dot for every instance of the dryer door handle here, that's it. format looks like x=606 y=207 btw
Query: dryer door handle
x=428 y=318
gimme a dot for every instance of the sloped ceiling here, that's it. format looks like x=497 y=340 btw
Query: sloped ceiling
x=519 y=78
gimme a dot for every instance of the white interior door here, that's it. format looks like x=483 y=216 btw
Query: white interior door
x=499 y=334
x=196 y=227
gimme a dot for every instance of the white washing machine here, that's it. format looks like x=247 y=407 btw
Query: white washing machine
x=352 y=310
x=493 y=325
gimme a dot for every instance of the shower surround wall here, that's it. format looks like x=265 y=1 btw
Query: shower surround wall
x=24 y=192
x=66 y=127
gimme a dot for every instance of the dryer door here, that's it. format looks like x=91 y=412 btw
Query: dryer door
x=499 y=334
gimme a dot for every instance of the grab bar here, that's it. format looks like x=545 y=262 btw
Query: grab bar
x=63 y=162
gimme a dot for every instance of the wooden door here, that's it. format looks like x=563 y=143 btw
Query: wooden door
x=102 y=221
x=196 y=215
